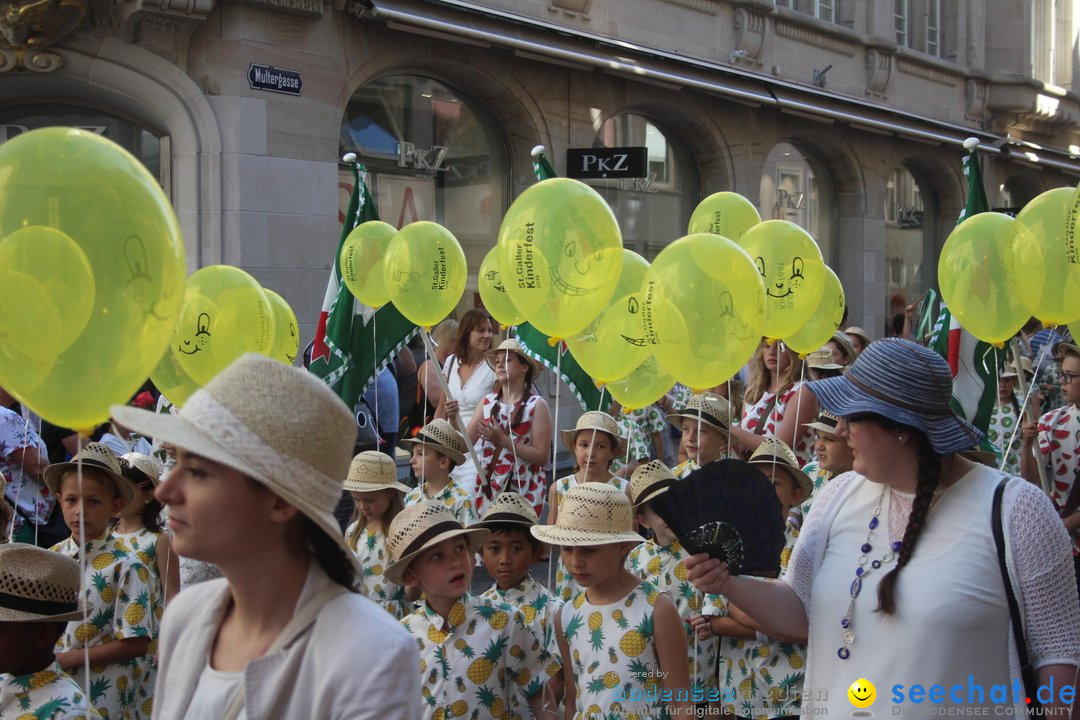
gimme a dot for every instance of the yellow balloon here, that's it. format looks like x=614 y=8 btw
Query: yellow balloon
x=30 y=329
x=1074 y=329
x=709 y=309
x=724 y=213
x=560 y=255
x=820 y=328
x=793 y=271
x=168 y=377
x=286 y=329
x=493 y=292
x=1044 y=271
x=115 y=300
x=425 y=272
x=646 y=384
x=362 y=260
x=226 y=313
x=973 y=278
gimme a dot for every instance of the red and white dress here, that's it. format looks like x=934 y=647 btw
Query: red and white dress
x=751 y=418
x=1059 y=451
x=502 y=469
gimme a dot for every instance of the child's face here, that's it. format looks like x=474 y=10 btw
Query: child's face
x=704 y=443
x=592 y=565
x=647 y=517
x=787 y=489
x=507 y=557
x=93 y=508
x=833 y=453
x=427 y=462
x=372 y=505
x=593 y=451
x=443 y=571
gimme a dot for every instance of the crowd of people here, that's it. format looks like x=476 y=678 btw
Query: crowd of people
x=909 y=558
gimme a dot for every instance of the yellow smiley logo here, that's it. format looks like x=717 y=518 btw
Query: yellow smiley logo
x=862 y=693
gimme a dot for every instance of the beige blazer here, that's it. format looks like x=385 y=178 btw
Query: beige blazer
x=354 y=662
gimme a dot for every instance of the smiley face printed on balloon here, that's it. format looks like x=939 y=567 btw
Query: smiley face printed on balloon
x=781 y=280
x=141 y=284
x=633 y=307
x=294 y=340
x=862 y=693
x=495 y=280
x=578 y=261
x=199 y=340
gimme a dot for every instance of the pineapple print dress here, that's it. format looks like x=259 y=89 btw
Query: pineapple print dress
x=535 y=603
x=613 y=656
x=117 y=600
x=370 y=548
x=565 y=585
x=48 y=694
x=1003 y=422
x=480 y=664
x=452 y=496
x=665 y=567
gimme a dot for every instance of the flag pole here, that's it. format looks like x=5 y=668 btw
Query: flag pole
x=1029 y=409
x=430 y=347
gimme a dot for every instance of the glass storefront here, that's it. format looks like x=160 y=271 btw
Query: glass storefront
x=908 y=274
x=795 y=188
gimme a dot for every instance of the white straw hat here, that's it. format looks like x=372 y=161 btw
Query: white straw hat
x=141 y=469
x=38 y=585
x=277 y=424
x=775 y=452
x=372 y=471
x=591 y=514
x=441 y=435
x=649 y=480
x=508 y=507
x=822 y=359
x=98 y=458
x=856 y=330
x=1009 y=371
x=710 y=409
x=594 y=420
x=420 y=526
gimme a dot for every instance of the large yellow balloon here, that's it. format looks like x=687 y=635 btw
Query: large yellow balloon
x=425 y=272
x=820 y=328
x=226 y=313
x=168 y=377
x=1044 y=271
x=286 y=329
x=724 y=213
x=646 y=384
x=114 y=321
x=493 y=292
x=973 y=277
x=559 y=255
x=1074 y=330
x=362 y=261
x=793 y=271
x=709 y=309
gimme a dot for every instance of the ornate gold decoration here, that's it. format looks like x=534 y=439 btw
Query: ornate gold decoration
x=28 y=27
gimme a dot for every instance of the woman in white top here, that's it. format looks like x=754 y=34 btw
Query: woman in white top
x=469 y=378
x=896 y=573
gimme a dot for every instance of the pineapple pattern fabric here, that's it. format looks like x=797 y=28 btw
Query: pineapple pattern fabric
x=535 y=603
x=370 y=548
x=613 y=656
x=1002 y=431
x=665 y=567
x=452 y=496
x=565 y=585
x=637 y=428
x=143 y=544
x=482 y=664
x=48 y=694
x=118 y=606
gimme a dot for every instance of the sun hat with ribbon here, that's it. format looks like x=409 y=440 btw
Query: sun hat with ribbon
x=372 y=471
x=649 y=480
x=508 y=507
x=905 y=382
x=1009 y=371
x=279 y=425
x=419 y=527
x=775 y=452
x=38 y=585
x=97 y=457
x=442 y=436
x=710 y=409
x=514 y=346
x=143 y=470
x=591 y=514
x=822 y=359
x=825 y=422
x=594 y=420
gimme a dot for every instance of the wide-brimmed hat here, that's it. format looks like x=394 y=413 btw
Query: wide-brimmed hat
x=372 y=471
x=38 y=585
x=908 y=384
x=711 y=410
x=509 y=507
x=442 y=436
x=420 y=526
x=1009 y=370
x=141 y=469
x=1062 y=347
x=824 y=422
x=598 y=421
x=822 y=359
x=512 y=345
x=775 y=452
x=591 y=514
x=277 y=424
x=649 y=480
x=98 y=458
x=841 y=339
x=856 y=330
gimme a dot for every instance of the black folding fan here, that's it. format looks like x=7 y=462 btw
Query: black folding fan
x=729 y=510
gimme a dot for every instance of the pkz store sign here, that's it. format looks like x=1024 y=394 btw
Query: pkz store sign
x=274 y=79
x=611 y=163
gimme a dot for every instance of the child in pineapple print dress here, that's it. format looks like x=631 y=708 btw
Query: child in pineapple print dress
x=39 y=594
x=706 y=431
x=437 y=449
x=621 y=639
x=116 y=637
x=661 y=561
x=373 y=484
x=595 y=443
x=478 y=658
x=1007 y=416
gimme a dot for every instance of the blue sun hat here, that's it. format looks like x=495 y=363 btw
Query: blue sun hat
x=905 y=382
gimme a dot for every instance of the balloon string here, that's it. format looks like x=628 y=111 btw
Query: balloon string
x=83 y=589
x=555 y=420
x=731 y=420
x=18 y=488
x=375 y=366
x=1027 y=394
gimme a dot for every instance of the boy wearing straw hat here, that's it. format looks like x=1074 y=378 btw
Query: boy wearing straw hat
x=705 y=424
x=478 y=658
x=832 y=456
x=436 y=450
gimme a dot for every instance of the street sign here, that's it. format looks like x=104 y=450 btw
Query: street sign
x=274 y=79
x=625 y=162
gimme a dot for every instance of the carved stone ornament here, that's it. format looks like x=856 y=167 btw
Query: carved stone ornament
x=579 y=7
x=28 y=27
x=879 y=65
x=975 y=96
x=749 y=34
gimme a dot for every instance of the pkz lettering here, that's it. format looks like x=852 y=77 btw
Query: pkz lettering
x=527 y=278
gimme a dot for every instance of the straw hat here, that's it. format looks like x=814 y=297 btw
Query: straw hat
x=1010 y=369
x=509 y=507
x=38 y=585
x=594 y=420
x=855 y=330
x=444 y=438
x=277 y=424
x=772 y=452
x=98 y=458
x=1065 y=347
x=825 y=422
x=712 y=410
x=822 y=359
x=372 y=471
x=512 y=345
x=420 y=526
x=591 y=514
x=141 y=469
x=845 y=343
x=649 y=480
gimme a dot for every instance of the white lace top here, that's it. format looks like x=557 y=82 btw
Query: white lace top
x=952 y=618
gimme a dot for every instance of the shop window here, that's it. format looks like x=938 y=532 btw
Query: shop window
x=909 y=251
x=795 y=188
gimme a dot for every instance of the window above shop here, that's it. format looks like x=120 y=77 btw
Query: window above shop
x=918 y=25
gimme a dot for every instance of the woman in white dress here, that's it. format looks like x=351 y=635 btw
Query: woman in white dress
x=896 y=575
x=469 y=378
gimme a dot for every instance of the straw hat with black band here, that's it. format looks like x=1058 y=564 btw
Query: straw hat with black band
x=711 y=410
x=825 y=422
x=509 y=507
x=38 y=585
x=514 y=346
x=441 y=435
x=422 y=526
x=649 y=480
x=773 y=452
x=598 y=421
x=97 y=458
